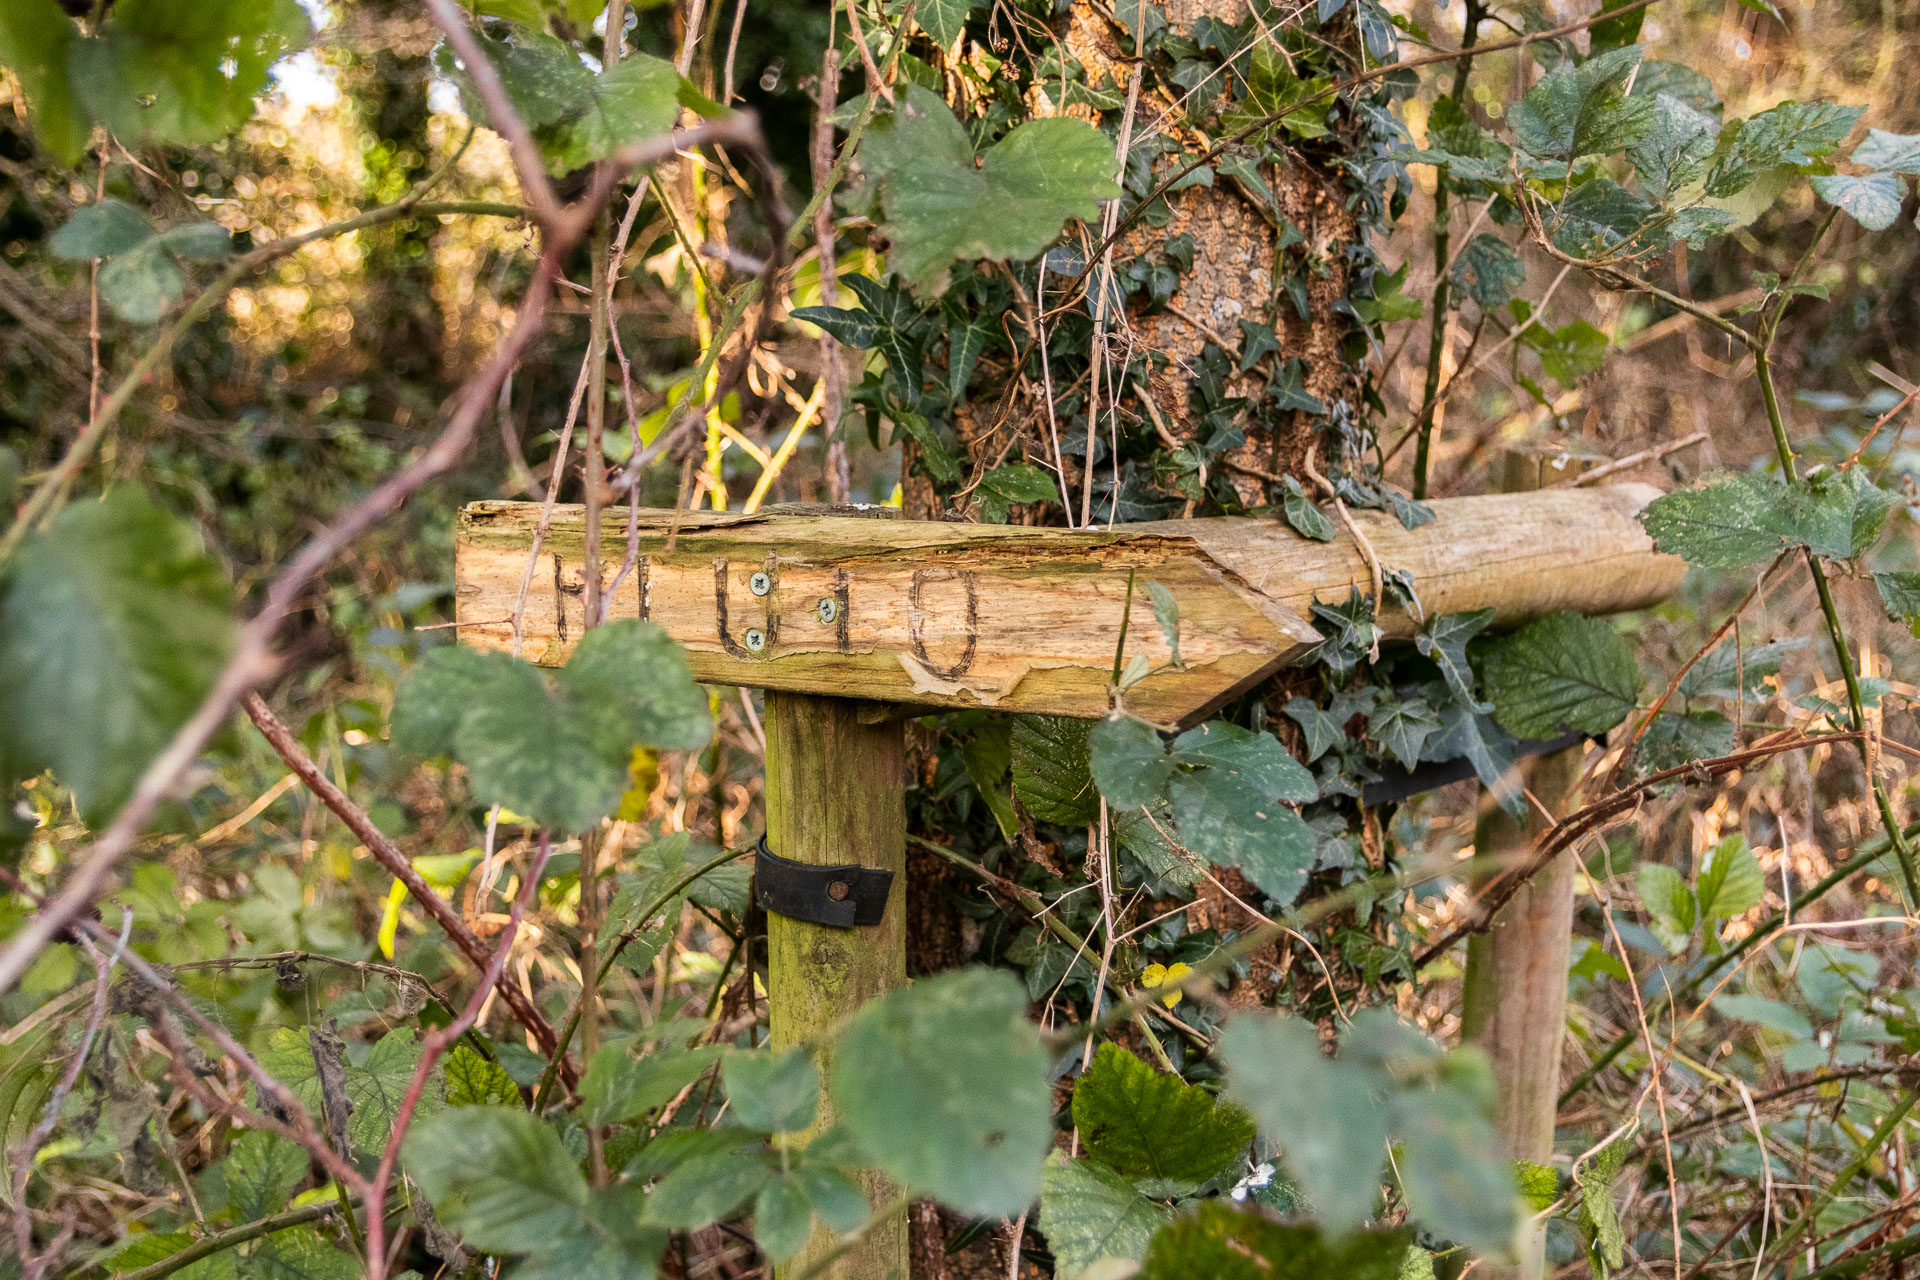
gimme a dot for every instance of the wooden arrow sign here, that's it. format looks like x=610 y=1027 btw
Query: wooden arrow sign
x=1023 y=619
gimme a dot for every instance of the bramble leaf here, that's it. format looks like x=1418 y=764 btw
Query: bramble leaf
x=1129 y=763
x=1793 y=133
x=1488 y=271
x=1148 y=1123
x=114 y=624
x=778 y=1092
x=499 y=1176
x=1886 y=152
x=1089 y=1212
x=944 y=1085
x=1051 y=770
x=1871 y=199
x=944 y=20
x=1677 y=148
x=1584 y=110
x=1560 y=672
x=1730 y=882
x=1220 y=1241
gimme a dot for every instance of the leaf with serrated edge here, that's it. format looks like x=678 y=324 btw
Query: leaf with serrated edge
x=1561 y=672
x=1089 y=1212
x=1153 y=1124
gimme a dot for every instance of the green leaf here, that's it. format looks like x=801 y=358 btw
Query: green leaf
x=1793 y=133
x=541 y=754
x=1871 y=199
x=499 y=1176
x=782 y=1218
x=1886 y=152
x=706 y=1189
x=1599 y=1221
x=104 y=230
x=836 y=1198
x=944 y=20
x=1677 y=148
x=440 y=690
x=1306 y=518
x=300 y=1253
x=1451 y=1170
x=1148 y=1123
x=944 y=1085
x=1741 y=520
x=262 y=1170
x=143 y=285
x=637 y=100
x=474 y=1081
x=636 y=669
x=1561 y=672
x=36 y=40
x=1222 y=1242
x=1539 y=1184
x=114 y=623
x=183 y=72
x=1013 y=483
x=1670 y=904
x=1129 y=762
x=1166 y=616
x=1771 y=1014
x=376 y=1088
x=198 y=241
x=1900 y=595
x=1730 y=882
x=778 y=1092
x=855 y=328
x=1088 y=1213
x=1597 y=219
x=1570 y=352
x=1488 y=271
x=1324 y=1113
x=940 y=208
x=1673 y=740
x=1583 y=110
x=1229 y=807
x=1320 y=729
x=1052 y=774
x=1617 y=32
x=620 y=1087
x=1257 y=759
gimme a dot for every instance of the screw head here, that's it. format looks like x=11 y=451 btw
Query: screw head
x=838 y=890
x=756 y=639
x=760 y=583
x=828 y=609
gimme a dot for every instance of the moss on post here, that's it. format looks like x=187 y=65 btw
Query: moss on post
x=836 y=794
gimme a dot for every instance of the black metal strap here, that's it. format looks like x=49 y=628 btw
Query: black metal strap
x=1397 y=783
x=839 y=897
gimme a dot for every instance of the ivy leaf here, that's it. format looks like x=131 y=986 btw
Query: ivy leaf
x=1730 y=882
x=1012 y=483
x=1793 y=133
x=1872 y=199
x=944 y=20
x=855 y=328
x=1886 y=152
x=114 y=624
x=1900 y=595
x=1583 y=110
x=183 y=72
x=1560 y=672
x=1445 y=641
x=966 y=339
x=1219 y=1241
x=1148 y=1123
x=1403 y=726
x=1324 y=1113
x=1129 y=763
x=1322 y=731
x=1677 y=148
x=778 y=1092
x=944 y=1085
x=1487 y=747
x=499 y=1176
x=1488 y=271
x=1306 y=518
x=36 y=40
x=941 y=209
x=1088 y=1213
x=1052 y=773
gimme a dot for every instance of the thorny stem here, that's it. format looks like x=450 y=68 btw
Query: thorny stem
x=1442 y=276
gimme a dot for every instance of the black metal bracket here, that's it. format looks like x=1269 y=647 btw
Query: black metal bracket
x=1397 y=783
x=838 y=897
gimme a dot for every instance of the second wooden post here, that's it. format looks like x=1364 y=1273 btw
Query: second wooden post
x=1515 y=1005
x=836 y=795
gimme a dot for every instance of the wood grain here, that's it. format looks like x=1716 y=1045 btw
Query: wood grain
x=1021 y=619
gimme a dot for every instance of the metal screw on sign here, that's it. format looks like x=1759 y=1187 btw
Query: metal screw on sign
x=829 y=609
x=756 y=639
x=760 y=584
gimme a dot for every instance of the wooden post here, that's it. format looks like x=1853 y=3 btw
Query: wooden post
x=836 y=793
x=1516 y=984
